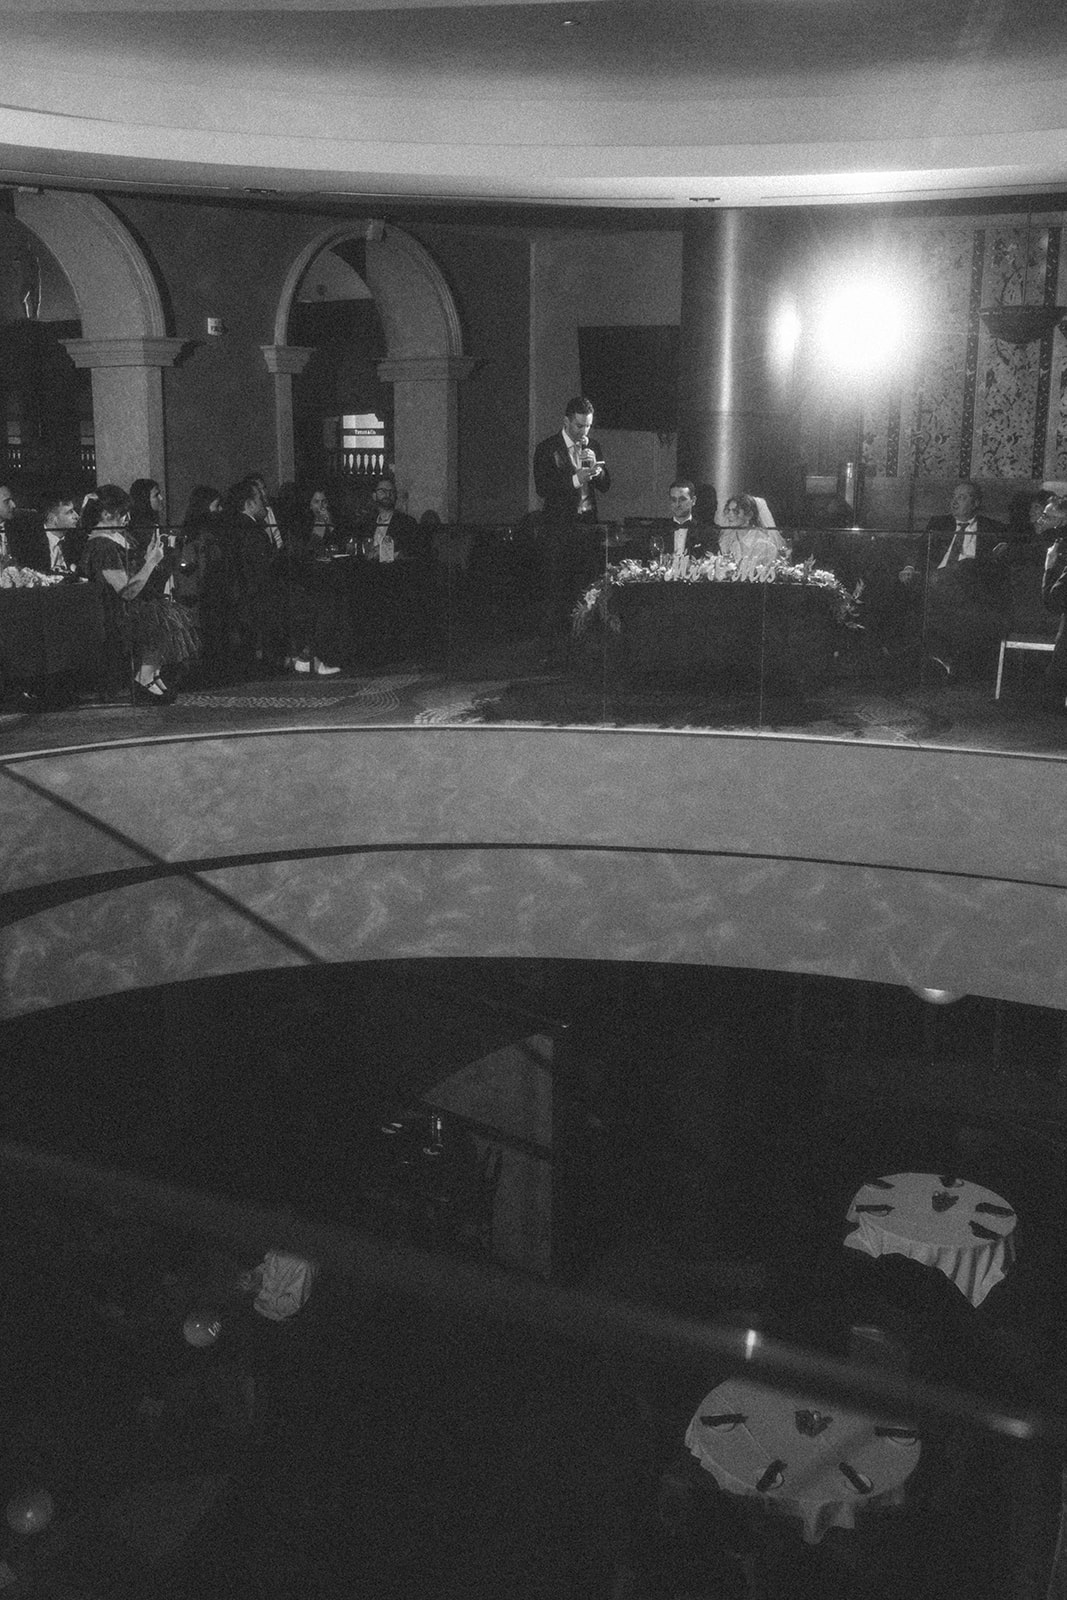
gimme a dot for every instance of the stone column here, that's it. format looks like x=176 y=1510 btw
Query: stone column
x=736 y=404
x=127 y=404
x=426 y=429
x=285 y=361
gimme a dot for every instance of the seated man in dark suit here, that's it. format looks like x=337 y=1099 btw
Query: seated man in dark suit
x=48 y=545
x=392 y=589
x=1053 y=523
x=385 y=534
x=968 y=586
x=568 y=470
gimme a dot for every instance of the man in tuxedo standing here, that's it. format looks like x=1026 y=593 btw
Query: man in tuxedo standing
x=968 y=586
x=568 y=471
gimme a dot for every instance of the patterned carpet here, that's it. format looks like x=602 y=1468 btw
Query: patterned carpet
x=519 y=685
x=836 y=713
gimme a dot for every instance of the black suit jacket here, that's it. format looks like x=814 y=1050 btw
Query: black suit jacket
x=987 y=575
x=701 y=541
x=1054 y=595
x=28 y=542
x=553 y=472
x=410 y=541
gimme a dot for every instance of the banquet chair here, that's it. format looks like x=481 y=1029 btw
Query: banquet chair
x=1020 y=641
x=1031 y=628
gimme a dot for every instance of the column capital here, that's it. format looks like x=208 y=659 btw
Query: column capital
x=286 y=358
x=135 y=352
x=426 y=369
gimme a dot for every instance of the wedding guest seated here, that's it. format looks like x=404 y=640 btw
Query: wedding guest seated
x=45 y=539
x=395 y=580
x=199 y=583
x=257 y=623
x=1053 y=523
x=744 y=538
x=315 y=600
x=37 y=540
x=146 y=631
x=1024 y=516
x=148 y=512
x=967 y=599
x=385 y=534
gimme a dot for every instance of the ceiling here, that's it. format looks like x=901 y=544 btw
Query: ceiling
x=631 y=103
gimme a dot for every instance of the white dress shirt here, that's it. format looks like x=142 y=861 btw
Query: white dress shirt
x=964 y=543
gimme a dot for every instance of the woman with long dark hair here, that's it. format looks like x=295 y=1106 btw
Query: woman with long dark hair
x=145 y=628
x=148 y=512
x=200 y=580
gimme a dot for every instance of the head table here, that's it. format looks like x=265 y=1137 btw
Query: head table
x=810 y=1459
x=942 y=1220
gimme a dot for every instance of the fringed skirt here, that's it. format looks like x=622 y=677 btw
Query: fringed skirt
x=160 y=630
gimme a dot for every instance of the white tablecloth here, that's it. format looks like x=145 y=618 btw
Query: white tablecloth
x=941 y=1225
x=813 y=1486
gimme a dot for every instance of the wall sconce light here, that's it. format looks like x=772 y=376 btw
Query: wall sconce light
x=1016 y=322
x=215 y=327
x=1022 y=324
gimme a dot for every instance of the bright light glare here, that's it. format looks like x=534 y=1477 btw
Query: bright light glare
x=861 y=328
x=785 y=333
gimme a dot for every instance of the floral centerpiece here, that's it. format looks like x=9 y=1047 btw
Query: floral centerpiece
x=844 y=603
x=12 y=577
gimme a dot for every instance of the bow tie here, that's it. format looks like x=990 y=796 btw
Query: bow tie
x=688 y=523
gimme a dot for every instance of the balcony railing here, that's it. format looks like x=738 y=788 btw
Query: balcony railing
x=361 y=463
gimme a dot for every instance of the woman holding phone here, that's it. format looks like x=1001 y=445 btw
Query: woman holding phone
x=144 y=629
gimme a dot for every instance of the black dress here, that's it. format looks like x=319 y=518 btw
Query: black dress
x=150 y=626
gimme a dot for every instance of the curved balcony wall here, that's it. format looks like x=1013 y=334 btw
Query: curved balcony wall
x=170 y=859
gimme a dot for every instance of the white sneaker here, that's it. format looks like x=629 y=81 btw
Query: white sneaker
x=324 y=671
x=301 y=664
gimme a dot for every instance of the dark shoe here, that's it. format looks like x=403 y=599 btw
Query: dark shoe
x=155 y=693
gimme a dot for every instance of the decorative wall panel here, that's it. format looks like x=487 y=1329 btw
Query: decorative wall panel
x=962 y=403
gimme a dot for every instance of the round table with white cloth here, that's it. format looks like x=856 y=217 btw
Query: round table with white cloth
x=809 y=1458
x=943 y=1221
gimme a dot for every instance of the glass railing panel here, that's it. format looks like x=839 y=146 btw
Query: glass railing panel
x=872 y=583
x=598 y=627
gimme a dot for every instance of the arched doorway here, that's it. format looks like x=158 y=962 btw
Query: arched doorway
x=423 y=362
x=46 y=433
x=124 y=343
x=342 y=410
